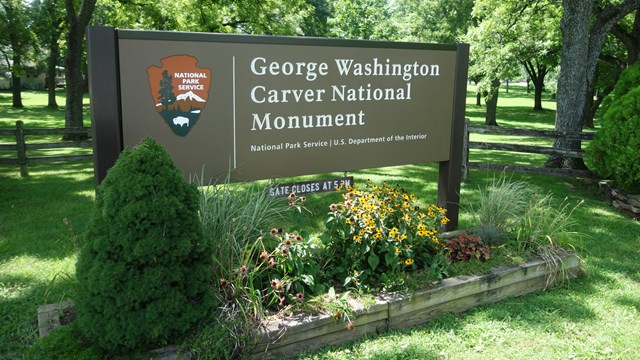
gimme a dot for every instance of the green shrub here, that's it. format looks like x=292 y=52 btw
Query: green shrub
x=145 y=270
x=378 y=233
x=614 y=153
x=629 y=80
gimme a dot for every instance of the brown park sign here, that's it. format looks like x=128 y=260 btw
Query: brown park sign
x=268 y=107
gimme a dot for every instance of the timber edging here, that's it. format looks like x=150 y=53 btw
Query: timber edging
x=287 y=337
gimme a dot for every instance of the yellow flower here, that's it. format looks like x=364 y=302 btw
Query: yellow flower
x=398 y=251
x=444 y=220
x=393 y=232
x=401 y=237
x=408 y=262
x=357 y=238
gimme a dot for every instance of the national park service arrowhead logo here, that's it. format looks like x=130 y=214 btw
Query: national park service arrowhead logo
x=180 y=90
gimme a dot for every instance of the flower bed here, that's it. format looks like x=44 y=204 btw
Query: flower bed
x=287 y=337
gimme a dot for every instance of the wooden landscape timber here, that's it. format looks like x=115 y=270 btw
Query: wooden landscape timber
x=287 y=337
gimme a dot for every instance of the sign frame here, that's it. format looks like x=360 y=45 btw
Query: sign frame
x=106 y=102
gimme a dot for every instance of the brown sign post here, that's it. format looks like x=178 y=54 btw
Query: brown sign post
x=268 y=107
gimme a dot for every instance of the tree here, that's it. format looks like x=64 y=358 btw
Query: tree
x=584 y=31
x=620 y=50
x=537 y=44
x=362 y=19
x=433 y=21
x=508 y=33
x=16 y=39
x=77 y=21
x=167 y=97
x=490 y=57
x=269 y=17
x=49 y=25
x=316 y=22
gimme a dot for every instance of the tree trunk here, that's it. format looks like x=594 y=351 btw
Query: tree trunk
x=54 y=51
x=492 y=103
x=528 y=86
x=16 y=87
x=537 y=97
x=581 y=47
x=536 y=72
x=478 y=99
x=73 y=64
x=572 y=79
x=16 y=81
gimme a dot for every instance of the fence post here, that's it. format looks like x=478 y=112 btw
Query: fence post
x=465 y=151
x=22 y=148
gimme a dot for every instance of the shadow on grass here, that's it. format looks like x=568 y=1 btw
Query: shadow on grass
x=34 y=209
x=513 y=116
x=18 y=309
x=33 y=117
x=630 y=302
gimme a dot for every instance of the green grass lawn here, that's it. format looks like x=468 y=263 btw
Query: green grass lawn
x=594 y=317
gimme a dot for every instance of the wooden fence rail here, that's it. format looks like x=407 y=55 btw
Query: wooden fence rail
x=495 y=130
x=21 y=147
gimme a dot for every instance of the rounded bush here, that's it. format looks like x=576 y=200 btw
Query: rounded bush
x=614 y=153
x=144 y=272
x=629 y=80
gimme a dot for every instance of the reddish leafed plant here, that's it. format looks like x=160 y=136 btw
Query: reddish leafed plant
x=465 y=246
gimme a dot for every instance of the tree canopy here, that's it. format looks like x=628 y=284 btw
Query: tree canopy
x=586 y=42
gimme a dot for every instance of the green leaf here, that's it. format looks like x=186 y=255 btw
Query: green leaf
x=373 y=261
x=390 y=258
x=307 y=279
